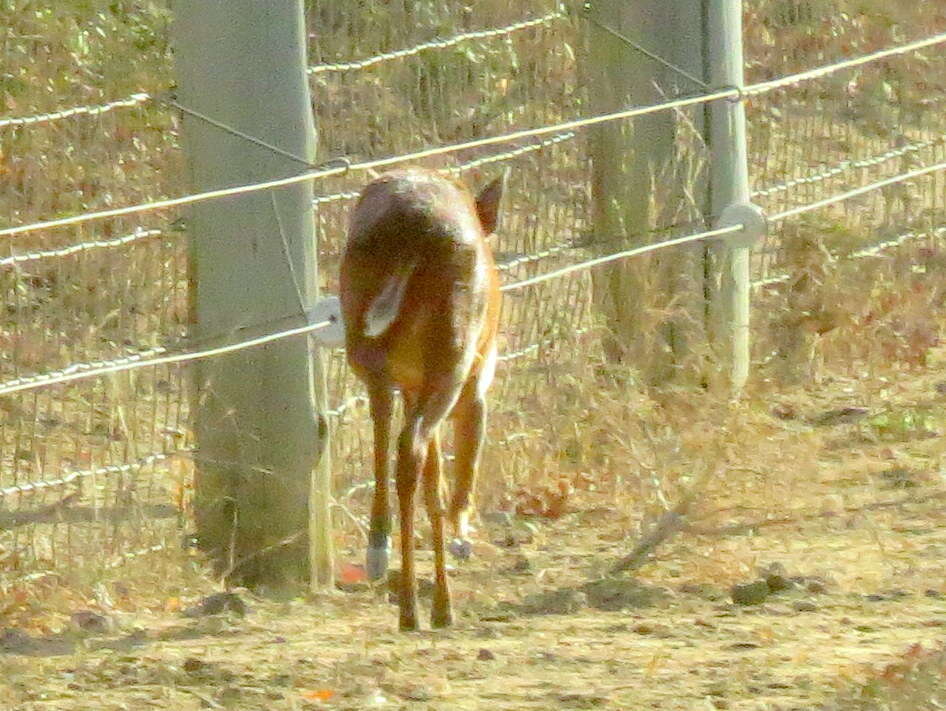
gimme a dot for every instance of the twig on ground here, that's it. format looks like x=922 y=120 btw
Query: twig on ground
x=667 y=525
x=735 y=528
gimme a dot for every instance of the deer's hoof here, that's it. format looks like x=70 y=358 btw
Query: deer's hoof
x=461 y=549
x=376 y=561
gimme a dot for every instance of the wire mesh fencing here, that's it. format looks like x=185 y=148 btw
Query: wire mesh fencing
x=520 y=75
x=811 y=141
x=97 y=470
x=89 y=472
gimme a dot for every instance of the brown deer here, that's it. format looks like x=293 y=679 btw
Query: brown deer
x=420 y=299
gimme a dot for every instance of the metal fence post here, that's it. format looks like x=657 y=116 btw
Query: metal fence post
x=729 y=186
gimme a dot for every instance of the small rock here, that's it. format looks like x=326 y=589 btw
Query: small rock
x=776 y=577
x=193 y=665
x=804 y=606
x=90 y=622
x=216 y=604
x=485 y=655
x=461 y=549
x=935 y=594
x=753 y=593
x=816 y=586
x=784 y=411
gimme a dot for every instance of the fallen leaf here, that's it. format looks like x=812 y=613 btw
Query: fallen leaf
x=172 y=604
x=318 y=694
x=352 y=573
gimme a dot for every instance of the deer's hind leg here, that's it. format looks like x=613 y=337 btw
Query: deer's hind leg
x=469 y=418
x=419 y=454
x=441 y=614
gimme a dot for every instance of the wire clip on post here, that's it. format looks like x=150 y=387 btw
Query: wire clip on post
x=750 y=218
x=328 y=309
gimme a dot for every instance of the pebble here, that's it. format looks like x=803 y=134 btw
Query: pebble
x=753 y=593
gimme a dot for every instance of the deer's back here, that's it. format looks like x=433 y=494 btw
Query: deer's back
x=421 y=227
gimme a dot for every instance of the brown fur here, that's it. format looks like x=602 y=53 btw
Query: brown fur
x=419 y=235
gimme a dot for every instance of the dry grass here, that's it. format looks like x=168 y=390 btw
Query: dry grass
x=786 y=475
x=800 y=492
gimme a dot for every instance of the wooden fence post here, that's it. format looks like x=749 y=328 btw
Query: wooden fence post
x=258 y=417
x=648 y=173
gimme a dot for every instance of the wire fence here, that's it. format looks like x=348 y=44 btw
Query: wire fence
x=95 y=455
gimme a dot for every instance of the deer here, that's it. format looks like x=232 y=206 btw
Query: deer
x=420 y=300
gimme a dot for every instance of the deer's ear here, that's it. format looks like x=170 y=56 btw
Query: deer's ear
x=487 y=204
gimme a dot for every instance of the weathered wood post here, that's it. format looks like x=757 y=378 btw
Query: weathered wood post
x=257 y=415
x=645 y=176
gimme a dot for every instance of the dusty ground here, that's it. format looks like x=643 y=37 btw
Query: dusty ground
x=860 y=542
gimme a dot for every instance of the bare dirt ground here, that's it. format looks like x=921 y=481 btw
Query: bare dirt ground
x=855 y=559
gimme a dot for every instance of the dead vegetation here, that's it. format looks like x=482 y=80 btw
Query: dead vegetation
x=801 y=564
x=807 y=571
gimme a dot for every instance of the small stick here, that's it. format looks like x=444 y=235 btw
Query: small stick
x=667 y=525
x=736 y=528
